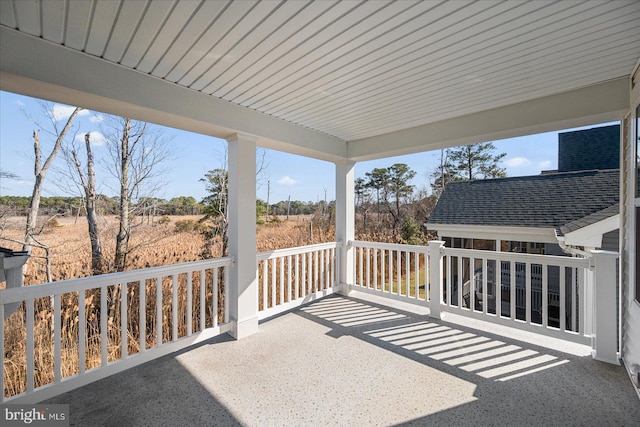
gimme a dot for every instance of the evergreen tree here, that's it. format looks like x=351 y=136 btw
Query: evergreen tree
x=475 y=161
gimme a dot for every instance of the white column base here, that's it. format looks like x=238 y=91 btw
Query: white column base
x=244 y=328
x=613 y=359
x=342 y=289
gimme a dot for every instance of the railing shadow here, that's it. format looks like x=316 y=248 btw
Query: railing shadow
x=517 y=383
x=161 y=392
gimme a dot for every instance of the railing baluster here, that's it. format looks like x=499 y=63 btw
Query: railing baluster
x=281 y=280
x=459 y=284
x=310 y=273
x=398 y=272
x=574 y=301
x=417 y=273
x=303 y=276
x=407 y=269
x=323 y=270
x=450 y=277
x=214 y=299
x=296 y=289
x=316 y=268
x=289 y=281
x=226 y=294
x=383 y=258
x=563 y=296
x=30 y=345
x=82 y=332
x=360 y=252
x=189 y=303
x=174 y=307
x=512 y=291
x=265 y=284
x=142 y=323
x=375 y=269
x=124 y=345
x=527 y=295
x=391 y=271
x=583 y=312
x=472 y=284
x=485 y=285
x=333 y=266
x=498 y=280
x=158 y=311
x=57 y=330
x=545 y=295
x=203 y=300
x=273 y=282
x=368 y=264
x=103 y=325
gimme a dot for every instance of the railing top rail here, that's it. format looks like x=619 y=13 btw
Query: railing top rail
x=518 y=257
x=395 y=246
x=261 y=256
x=92 y=282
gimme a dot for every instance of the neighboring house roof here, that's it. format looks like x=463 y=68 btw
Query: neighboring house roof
x=590 y=219
x=542 y=201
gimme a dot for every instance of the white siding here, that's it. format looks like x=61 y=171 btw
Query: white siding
x=631 y=309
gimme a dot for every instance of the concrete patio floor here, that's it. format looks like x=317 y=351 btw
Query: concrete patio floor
x=355 y=362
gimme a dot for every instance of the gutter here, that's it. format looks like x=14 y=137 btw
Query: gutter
x=570 y=249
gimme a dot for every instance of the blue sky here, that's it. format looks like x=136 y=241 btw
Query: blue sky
x=193 y=155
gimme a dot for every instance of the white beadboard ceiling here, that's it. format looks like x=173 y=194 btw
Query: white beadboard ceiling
x=351 y=69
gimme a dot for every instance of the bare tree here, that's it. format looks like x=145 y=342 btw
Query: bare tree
x=88 y=183
x=216 y=202
x=137 y=155
x=40 y=171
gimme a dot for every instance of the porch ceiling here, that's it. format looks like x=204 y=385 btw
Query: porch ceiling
x=330 y=79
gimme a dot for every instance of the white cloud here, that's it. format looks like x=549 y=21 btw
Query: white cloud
x=96 y=138
x=97 y=118
x=517 y=162
x=545 y=165
x=286 y=180
x=63 y=112
x=19 y=103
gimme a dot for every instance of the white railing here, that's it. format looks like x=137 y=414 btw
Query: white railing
x=397 y=271
x=541 y=293
x=69 y=333
x=290 y=277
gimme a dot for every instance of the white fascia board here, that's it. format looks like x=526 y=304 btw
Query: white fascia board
x=599 y=103
x=490 y=232
x=592 y=234
x=38 y=68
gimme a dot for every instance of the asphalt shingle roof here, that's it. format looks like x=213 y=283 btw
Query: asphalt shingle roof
x=540 y=201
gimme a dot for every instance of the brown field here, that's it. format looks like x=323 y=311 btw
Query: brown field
x=69 y=257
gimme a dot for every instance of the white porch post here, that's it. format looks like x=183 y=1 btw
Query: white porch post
x=436 y=256
x=345 y=222
x=604 y=336
x=243 y=283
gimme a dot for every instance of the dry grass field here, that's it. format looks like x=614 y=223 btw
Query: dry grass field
x=69 y=257
x=159 y=244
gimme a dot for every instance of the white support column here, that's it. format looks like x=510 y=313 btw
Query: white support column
x=345 y=222
x=243 y=283
x=604 y=341
x=436 y=255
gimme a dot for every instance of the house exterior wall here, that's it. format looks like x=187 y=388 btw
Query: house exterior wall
x=629 y=233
